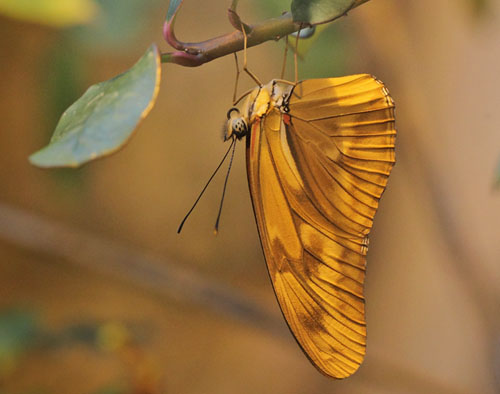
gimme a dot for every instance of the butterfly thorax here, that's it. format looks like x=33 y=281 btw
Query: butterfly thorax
x=257 y=104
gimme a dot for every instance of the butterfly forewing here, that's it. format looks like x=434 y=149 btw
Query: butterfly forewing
x=316 y=172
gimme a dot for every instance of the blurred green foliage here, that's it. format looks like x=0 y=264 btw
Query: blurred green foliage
x=319 y=11
x=22 y=333
x=479 y=7
x=113 y=389
x=18 y=332
x=118 y=24
x=54 y=13
x=323 y=54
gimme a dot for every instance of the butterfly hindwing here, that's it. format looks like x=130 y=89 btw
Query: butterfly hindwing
x=316 y=174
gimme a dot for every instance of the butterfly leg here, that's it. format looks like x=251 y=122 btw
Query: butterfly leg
x=251 y=74
x=238 y=72
x=296 y=68
x=284 y=58
x=295 y=61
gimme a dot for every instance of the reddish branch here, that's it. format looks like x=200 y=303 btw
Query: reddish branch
x=191 y=54
x=195 y=54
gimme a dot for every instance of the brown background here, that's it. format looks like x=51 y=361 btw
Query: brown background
x=433 y=267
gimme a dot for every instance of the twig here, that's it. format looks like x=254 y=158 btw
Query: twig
x=158 y=275
x=191 y=54
x=195 y=54
x=165 y=278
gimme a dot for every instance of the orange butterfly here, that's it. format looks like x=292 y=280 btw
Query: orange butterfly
x=319 y=153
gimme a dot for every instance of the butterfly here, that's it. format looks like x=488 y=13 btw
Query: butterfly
x=318 y=156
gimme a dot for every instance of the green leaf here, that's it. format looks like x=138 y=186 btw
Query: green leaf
x=168 y=26
x=321 y=11
x=173 y=7
x=104 y=118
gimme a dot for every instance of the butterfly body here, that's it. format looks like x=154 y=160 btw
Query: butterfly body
x=258 y=103
x=318 y=157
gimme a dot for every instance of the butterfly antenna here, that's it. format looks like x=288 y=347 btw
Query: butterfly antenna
x=205 y=188
x=216 y=229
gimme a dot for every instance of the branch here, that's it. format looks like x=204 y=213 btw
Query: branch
x=195 y=54
x=166 y=278
x=159 y=275
x=192 y=54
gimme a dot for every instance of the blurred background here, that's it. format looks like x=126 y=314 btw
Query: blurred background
x=98 y=294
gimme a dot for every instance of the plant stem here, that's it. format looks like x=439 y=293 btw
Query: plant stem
x=196 y=54
x=190 y=54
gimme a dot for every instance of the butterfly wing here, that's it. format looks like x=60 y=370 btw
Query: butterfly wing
x=316 y=175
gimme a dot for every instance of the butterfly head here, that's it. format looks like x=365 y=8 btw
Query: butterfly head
x=237 y=125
